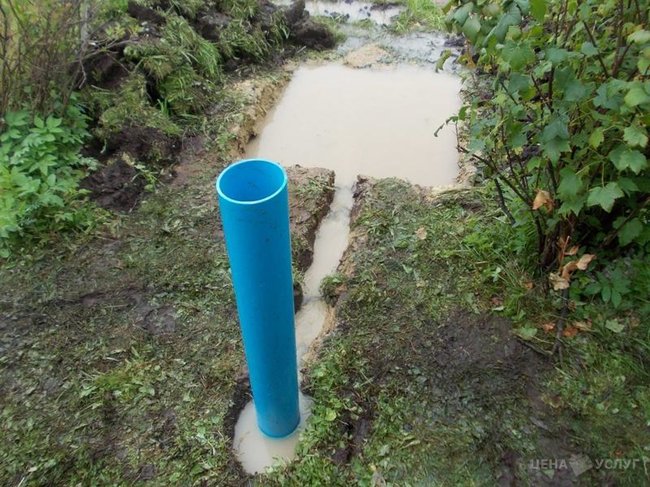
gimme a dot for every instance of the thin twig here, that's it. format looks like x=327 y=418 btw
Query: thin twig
x=502 y=202
x=598 y=55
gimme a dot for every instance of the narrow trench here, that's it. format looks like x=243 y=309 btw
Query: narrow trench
x=373 y=122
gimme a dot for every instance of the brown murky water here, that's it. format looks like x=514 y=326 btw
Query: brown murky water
x=352 y=11
x=379 y=123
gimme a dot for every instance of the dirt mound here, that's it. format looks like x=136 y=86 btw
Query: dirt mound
x=116 y=186
x=304 y=31
x=308 y=208
x=210 y=24
x=145 y=144
x=144 y=14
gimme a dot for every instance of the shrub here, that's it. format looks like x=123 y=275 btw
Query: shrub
x=40 y=168
x=42 y=48
x=562 y=130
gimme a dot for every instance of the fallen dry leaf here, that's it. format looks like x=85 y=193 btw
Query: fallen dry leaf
x=568 y=269
x=421 y=233
x=558 y=282
x=548 y=327
x=543 y=198
x=583 y=262
x=496 y=301
x=570 y=331
x=572 y=251
x=583 y=325
x=529 y=285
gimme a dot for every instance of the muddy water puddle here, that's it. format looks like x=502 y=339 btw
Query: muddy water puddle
x=379 y=123
x=350 y=11
x=375 y=122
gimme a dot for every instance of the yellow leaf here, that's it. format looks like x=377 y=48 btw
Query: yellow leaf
x=543 y=198
x=572 y=251
x=583 y=262
x=558 y=282
x=568 y=269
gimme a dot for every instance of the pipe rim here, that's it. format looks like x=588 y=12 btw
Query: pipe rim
x=281 y=188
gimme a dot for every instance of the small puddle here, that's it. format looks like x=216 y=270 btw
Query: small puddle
x=350 y=10
x=255 y=451
x=379 y=123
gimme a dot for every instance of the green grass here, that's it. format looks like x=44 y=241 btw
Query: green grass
x=91 y=393
x=385 y=409
x=419 y=15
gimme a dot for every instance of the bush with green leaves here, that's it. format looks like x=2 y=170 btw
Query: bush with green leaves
x=562 y=126
x=40 y=167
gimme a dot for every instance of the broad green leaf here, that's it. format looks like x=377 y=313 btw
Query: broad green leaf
x=460 y=15
x=572 y=205
x=639 y=37
x=614 y=325
x=556 y=55
x=635 y=136
x=554 y=139
x=624 y=158
x=628 y=185
x=53 y=122
x=524 y=5
x=630 y=231
x=472 y=27
x=588 y=49
x=596 y=138
x=538 y=9
x=604 y=196
x=518 y=55
x=513 y=17
x=554 y=148
x=519 y=82
x=570 y=184
x=636 y=96
x=574 y=91
x=643 y=64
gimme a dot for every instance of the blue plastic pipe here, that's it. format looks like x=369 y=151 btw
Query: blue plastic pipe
x=254 y=205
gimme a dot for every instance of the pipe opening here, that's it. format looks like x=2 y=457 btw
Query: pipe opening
x=251 y=181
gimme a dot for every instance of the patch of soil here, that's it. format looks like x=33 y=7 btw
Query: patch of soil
x=307 y=209
x=467 y=344
x=366 y=56
x=304 y=31
x=145 y=144
x=210 y=23
x=353 y=430
x=105 y=70
x=144 y=14
x=157 y=321
x=241 y=396
x=115 y=186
